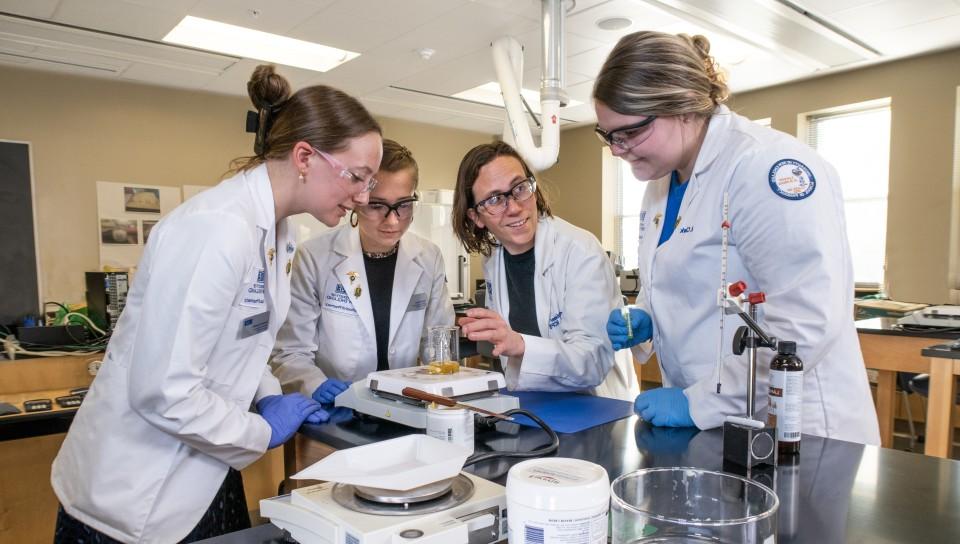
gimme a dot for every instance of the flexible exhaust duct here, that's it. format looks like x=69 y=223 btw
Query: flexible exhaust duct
x=508 y=63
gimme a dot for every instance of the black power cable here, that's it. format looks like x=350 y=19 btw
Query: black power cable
x=539 y=452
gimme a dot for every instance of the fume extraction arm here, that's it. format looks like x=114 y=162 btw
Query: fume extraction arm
x=508 y=62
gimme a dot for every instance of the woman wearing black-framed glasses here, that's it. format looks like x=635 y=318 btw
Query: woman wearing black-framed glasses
x=660 y=106
x=549 y=284
x=363 y=294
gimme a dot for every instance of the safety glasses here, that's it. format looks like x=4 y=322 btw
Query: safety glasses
x=629 y=136
x=381 y=210
x=345 y=173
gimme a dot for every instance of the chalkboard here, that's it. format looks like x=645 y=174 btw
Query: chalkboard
x=19 y=286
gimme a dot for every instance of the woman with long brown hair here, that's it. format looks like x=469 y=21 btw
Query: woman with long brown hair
x=155 y=451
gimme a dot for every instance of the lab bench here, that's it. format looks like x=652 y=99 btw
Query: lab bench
x=890 y=350
x=837 y=492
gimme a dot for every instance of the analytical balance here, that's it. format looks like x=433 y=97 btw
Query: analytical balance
x=380 y=395
x=408 y=489
x=464 y=510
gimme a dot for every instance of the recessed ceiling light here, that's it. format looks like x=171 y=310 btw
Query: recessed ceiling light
x=489 y=93
x=254 y=44
x=614 y=23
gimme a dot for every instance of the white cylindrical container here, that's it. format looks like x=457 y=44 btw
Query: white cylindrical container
x=451 y=424
x=559 y=501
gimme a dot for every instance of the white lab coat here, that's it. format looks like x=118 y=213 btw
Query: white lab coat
x=796 y=251
x=168 y=412
x=330 y=331
x=575 y=290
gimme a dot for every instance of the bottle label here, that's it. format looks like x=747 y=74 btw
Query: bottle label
x=788 y=403
x=775 y=395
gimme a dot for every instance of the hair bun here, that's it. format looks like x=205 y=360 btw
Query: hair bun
x=702 y=44
x=267 y=88
x=719 y=92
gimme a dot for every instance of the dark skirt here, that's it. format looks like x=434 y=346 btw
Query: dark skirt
x=226 y=514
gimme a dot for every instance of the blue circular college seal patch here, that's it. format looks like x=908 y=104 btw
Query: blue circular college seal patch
x=791 y=179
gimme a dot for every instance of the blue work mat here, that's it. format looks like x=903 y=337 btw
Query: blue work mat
x=570 y=412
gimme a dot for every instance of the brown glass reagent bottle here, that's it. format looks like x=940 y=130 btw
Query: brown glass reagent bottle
x=786 y=397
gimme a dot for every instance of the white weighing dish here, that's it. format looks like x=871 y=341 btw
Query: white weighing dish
x=401 y=463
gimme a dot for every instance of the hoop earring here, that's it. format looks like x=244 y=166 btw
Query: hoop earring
x=354 y=219
x=302 y=178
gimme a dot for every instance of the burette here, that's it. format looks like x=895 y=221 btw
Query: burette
x=722 y=292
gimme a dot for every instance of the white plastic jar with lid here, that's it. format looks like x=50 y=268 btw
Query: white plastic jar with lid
x=557 y=500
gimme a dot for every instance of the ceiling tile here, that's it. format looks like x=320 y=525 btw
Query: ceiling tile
x=827 y=7
x=348 y=31
x=473 y=125
x=150 y=22
x=387 y=33
x=276 y=16
x=437 y=104
x=918 y=38
x=41 y=9
x=394 y=111
x=891 y=14
x=644 y=17
x=166 y=76
x=234 y=79
x=405 y=13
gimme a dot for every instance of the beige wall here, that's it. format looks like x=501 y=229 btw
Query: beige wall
x=923 y=94
x=85 y=130
x=574 y=183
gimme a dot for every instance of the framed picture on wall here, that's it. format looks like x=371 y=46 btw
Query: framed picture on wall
x=148 y=225
x=141 y=200
x=118 y=231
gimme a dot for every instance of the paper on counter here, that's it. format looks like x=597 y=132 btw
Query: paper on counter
x=398 y=464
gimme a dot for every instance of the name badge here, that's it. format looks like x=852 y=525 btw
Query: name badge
x=253 y=292
x=338 y=301
x=255 y=324
x=417 y=302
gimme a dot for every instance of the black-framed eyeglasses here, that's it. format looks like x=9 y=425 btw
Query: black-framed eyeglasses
x=628 y=136
x=403 y=208
x=497 y=204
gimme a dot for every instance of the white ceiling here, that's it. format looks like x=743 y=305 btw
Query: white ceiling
x=759 y=42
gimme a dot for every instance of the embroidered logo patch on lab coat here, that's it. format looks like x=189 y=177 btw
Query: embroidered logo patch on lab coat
x=555 y=320
x=338 y=301
x=791 y=179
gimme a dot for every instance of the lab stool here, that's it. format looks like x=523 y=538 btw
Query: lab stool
x=905 y=389
x=920 y=384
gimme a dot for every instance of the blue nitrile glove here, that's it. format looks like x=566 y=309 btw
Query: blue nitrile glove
x=329 y=390
x=617 y=328
x=286 y=413
x=664 y=407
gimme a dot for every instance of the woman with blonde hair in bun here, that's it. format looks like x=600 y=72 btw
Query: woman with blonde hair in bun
x=154 y=453
x=659 y=101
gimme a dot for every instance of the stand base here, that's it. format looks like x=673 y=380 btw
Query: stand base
x=748 y=446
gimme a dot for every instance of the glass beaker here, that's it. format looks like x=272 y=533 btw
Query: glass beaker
x=681 y=505
x=444 y=350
